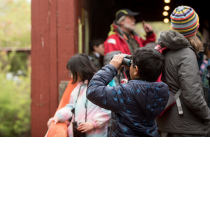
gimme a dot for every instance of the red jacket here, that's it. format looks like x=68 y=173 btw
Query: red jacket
x=116 y=41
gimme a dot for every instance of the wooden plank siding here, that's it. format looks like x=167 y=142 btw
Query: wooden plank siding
x=40 y=67
x=54 y=42
x=53 y=62
x=66 y=36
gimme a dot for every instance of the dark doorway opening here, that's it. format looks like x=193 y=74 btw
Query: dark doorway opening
x=102 y=13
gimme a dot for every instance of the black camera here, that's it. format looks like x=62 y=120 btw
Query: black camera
x=77 y=133
x=126 y=60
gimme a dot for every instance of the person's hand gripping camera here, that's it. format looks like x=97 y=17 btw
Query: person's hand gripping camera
x=117 y=61
x=125 y=63
x=125 y=60
x=82 y=127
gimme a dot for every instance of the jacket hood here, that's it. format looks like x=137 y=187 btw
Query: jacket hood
x=114 y=28
x=153 y=98
x=173 y=40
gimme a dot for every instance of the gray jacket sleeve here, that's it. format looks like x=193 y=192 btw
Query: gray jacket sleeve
x=191 y=85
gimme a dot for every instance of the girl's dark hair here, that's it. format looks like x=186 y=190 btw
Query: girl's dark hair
x=81 y=65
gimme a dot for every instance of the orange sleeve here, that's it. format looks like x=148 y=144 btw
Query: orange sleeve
x=60 y=129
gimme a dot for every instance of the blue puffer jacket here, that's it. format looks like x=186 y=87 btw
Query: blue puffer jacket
x=134 y=105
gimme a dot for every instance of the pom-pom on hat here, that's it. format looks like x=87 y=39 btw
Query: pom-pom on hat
x=185 y=20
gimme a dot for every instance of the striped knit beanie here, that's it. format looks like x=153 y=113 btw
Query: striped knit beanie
x=185 y=20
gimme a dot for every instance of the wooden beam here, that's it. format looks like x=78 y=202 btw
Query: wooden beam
x=54 y=42
x=67 y=35
x=40 y=87
x=53 y=54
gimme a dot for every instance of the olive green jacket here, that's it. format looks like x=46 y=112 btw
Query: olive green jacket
x=96 y=61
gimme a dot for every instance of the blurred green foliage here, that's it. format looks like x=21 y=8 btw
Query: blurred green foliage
x=13 y=61
x=19 y=62
x=15 y=106
x=15 y=102
x=15 y=23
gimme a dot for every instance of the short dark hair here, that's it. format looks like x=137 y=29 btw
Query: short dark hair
x=81 y=65
x=150 y=62
x=95 y=42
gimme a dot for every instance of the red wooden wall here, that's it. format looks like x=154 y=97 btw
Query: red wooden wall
x=54 y=41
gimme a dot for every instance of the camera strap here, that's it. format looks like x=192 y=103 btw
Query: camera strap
x=176 y=97
x=160 y=48
x=74 y=110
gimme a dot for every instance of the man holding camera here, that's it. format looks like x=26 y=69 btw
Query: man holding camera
x=122 y=36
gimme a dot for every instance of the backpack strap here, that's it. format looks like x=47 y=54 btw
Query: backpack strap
x=178 y=102
x=160 y=48
x=73 y=110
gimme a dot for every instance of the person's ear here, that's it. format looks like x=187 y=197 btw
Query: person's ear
x=136 y=71
x=95 y=48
